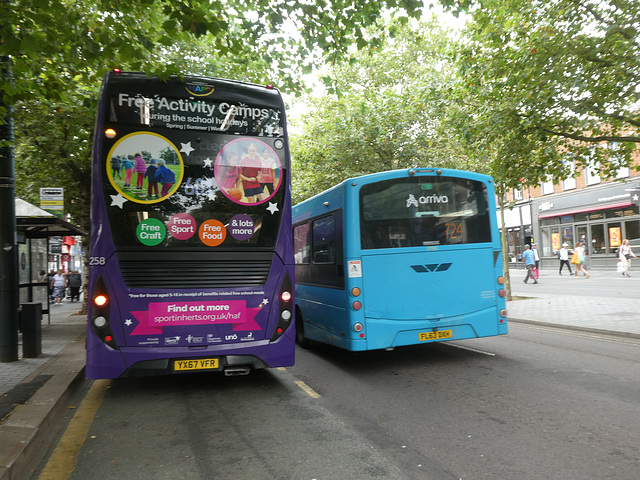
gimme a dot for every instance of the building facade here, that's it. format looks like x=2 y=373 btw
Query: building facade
x=600 y=213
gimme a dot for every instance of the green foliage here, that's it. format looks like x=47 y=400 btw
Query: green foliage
x=60 y=50
x=543 y=82
x=381 y=114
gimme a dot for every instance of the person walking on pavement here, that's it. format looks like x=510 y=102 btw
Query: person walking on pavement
x=536 y=256
x=529 y=260
x=624 y=254
x=75 y=282
x=564 y=259
x=579 y=251
x=59 y=283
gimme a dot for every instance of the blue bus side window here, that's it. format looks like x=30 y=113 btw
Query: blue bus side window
x=324 y=240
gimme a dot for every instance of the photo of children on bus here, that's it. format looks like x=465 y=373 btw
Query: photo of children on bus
x=248 y=171
x=144 y=168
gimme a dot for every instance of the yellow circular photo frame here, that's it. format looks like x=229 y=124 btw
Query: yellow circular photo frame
x=134 y=184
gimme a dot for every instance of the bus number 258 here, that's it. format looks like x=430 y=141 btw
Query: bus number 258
x=94 y=261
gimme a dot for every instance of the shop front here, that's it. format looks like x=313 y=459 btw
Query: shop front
x=601 y=217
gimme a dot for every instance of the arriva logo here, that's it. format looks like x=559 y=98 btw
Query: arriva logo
x=432 y=267
x=413 y=201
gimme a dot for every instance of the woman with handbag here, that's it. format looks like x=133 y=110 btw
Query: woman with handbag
x=624 y=254
x=578 y=260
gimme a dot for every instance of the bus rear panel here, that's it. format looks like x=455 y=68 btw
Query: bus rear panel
x=399 y=258
x=191 y=263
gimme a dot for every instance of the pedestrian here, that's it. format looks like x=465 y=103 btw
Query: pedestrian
x=579 y=260
x=529 y=260
x=75 y=282
x=536 y=256
x=59 y=284
x=52 y=273
x=564 y=259
x=624 y=254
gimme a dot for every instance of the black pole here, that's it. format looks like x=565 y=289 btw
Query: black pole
x=8 y=244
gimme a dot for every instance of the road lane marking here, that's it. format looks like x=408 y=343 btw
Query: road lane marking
x=307 y=389
x=64 y=457
x=475 y=350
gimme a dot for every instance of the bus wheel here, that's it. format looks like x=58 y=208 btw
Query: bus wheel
x=301 y=340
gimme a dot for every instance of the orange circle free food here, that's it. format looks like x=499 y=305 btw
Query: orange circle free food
x=212 y=233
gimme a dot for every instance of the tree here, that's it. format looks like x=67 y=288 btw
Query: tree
x=381 y=114
x=550 y=83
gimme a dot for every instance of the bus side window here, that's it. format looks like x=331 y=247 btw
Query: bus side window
x=324 y=240
x=302 y=243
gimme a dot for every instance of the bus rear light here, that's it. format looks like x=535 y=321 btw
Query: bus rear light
x=500 y=280
x=355 y=291
x=110 y=133
x=503 y=312
x=100 y=321
x=356 y=305
x=358 y=327
x=100 y=311
x=285 y=308
x=502 y=293
x=100 y=300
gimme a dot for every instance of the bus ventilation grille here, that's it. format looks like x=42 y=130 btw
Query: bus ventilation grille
x=193 y=271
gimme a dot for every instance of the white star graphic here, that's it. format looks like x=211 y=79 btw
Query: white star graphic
x=208 y=162
x=117 y=200
x=128 y=322
x=265 y=301
x=186 y=148
x=273 y=208
x=635 y=197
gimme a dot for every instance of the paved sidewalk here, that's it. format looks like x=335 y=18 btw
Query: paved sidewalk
x=35 y=390
x=604 y=303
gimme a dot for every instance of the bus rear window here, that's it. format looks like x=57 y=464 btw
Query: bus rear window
x=423 y=211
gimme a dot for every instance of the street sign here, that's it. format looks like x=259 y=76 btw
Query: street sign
x=52 y=200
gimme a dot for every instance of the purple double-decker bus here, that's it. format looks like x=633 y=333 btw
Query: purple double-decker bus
x=191 y=261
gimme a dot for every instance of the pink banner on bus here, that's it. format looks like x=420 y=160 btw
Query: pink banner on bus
x=169 y=314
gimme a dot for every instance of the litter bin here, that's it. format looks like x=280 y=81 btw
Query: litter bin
x=31 y=329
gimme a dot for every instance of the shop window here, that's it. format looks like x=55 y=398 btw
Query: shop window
x=549 y=221
x=567 y=236
x=632 y=232
x=598 y=245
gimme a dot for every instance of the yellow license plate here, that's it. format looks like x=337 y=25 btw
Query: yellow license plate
x=439 y=335
x=196 y=364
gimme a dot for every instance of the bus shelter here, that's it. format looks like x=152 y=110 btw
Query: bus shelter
x=34 y=228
